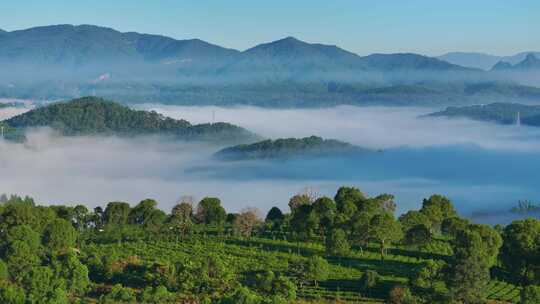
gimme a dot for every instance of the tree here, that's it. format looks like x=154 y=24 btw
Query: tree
x=40 y=284
x=401 y=295
x=80 y=217
x=475 y=251
x=437 y=208
x=418 y=235
x=450 y=226
x=60 y=235
x=210 y=211
x=345 y=194
x=385 y=230
x=242 y=295
x=304 y=221
x=427 y=274
x=11 y=294
x=413 y=218
x=73 y=272
x=274 y=215
x=119 y=294
x=116 y=213
x=317 y=269
x=530 y=295
x=147 y=215
x=268 y=284
x=520 y=250
x=25 y=234
x=337 y=244
x=325 y=210
x=156 y=295
x=246 y=222
x=181 y=218
x=298 y=200
x=368 y=280
x=20 y=259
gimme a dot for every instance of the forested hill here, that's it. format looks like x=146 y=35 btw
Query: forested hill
x=96 y=116
x=282 y=148
x=502 y=113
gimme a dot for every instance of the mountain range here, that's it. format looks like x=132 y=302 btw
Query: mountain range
x=483 y=61
x=80 y=46
x=67 y=61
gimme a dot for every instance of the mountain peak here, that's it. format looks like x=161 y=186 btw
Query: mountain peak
x=531 y=57
x=501 y=65
x=530 y=62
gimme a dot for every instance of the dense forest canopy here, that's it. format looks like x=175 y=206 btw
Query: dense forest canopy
x=282 y=148
x=96 y=116
x=347 y=249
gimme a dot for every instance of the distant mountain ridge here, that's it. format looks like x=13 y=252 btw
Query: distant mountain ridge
x=481 y=60
x=63 y=62
x=88 y=43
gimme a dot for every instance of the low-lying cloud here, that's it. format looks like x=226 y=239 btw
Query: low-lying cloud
x=372 y=127
x=478 y=165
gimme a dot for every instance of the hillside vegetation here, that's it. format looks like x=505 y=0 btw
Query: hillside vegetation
x=347 y=249
x=96 y=116
x=312 y=146
x=502 y=113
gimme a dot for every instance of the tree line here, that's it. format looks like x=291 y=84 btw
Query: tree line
x=55 y=254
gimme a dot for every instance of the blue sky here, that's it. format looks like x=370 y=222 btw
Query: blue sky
x=429 y=27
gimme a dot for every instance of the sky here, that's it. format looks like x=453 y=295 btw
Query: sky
x=499 y=27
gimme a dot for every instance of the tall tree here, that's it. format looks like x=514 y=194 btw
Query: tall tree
x=116 y=213
x=385 y=230
x=520 y=252
x=210 y=211
x=246 y=222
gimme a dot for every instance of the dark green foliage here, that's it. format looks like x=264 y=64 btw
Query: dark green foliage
x=116 y=213
x=428 y=274
x=385 y=230
x=530 y=295
x=62 y=254
x=418 y=235
x=119 y=294
x=60 y=235
x=475 y=251
x=211 y=212
x=520 y=250
x=437 y=208
x=337 y=244
x=242 y=295
x=11 y=294
x=369 y=280
x=92 y=116
x=451 y=226
x=289 y=147
x=400 y=294
x=274 y=215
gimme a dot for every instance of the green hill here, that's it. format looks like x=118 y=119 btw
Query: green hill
x=289 y=147
x=96 y=116
x=502 y=113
